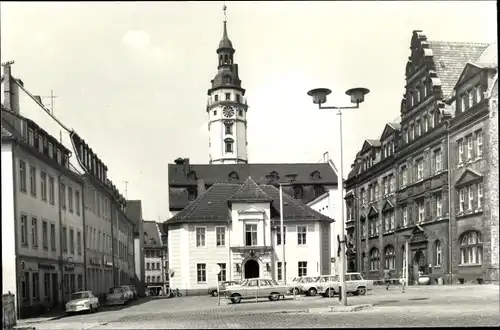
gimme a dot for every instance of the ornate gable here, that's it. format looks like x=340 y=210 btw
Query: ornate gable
x=469 y=176
x=387 y=206
x=418 y=235
x=420 y=53
x=373 y=212
x=366 y=147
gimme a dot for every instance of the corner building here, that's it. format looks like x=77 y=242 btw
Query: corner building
x=425 y=179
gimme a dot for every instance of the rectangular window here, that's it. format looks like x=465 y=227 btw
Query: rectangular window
x=53 y=236
x=216 y=98
x=229 y=146
x=62 y=196
x=479 y=195
x=462 y=200
x=420 y=169
x=31 y=137
x=43 y=185
x=36 y=286
x=471 y=97
x=471 y=198
x=229 y=128
x=302 y=268
x=46 y=285
x=279 y=269
x=479 y=143
x=405 y=215
x=228 y=96
x=250 y=235
x=417 y=128
x=148 y=266
x=71 y=241
x=98 y=206
x=200 y=236
x=301 y=235
x=278 y=235
x=460 y=151
x=220 y=232
x=45 y=235
x=201 y=273
x=33 y=180
x=24 y=230
x=470 y=146
x=386 y=185
x=22 y=175
x=51 y=190
x=70 y=199
x=79 y=242
x=77 y=202
x=158 y=266
x=404 y=176
x=439 y=205
x=464 y=101
x=438 y=162
x=421 y=212
x=34 y=232
x=392 y=181
x=65 y=239
x=222 y=274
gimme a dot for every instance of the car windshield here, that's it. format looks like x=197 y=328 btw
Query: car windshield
x=80 y=295
x=116 y=290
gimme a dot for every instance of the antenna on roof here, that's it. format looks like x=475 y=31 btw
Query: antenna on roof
x=52 y=97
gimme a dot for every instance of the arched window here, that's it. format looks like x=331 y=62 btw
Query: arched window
x=297 y=192
x=220 y=59
x=437 y=253
x=390 y=257
x=226 y=59
x=374 y=259
x=471 y=248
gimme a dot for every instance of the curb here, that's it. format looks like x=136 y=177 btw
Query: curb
x=341 y=309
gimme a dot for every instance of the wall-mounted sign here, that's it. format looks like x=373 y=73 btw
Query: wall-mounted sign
x=46 y=266
x=108 y=264
x=95 y=261
x=69 y=267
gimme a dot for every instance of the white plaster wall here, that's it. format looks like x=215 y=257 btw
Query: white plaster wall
x=137 y=258
x=243 y=213
x=8 y=223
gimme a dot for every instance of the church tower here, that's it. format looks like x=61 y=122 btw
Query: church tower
x=227 y=109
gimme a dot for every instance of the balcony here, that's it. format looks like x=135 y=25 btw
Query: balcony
x=350 y=223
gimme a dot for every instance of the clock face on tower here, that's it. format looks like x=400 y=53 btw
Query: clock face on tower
x=228 y=111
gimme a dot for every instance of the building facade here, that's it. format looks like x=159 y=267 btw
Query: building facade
x=134 y=212
x=424 y=180
x=155 y=257
x=237 y=227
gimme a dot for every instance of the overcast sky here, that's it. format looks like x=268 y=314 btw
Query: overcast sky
x=132 y=77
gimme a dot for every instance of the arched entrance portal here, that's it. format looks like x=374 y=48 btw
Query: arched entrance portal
x=419 y=264
x=251 y=269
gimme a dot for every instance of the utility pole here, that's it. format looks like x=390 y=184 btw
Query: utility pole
x=52 y=97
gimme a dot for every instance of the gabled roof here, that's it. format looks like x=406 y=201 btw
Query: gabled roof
x=250 y=192
x=467 y=177
x=151 y=234
x=371 y=143
x=389 y=129
x=450 y=59
x=373 y=211
x=212 y=205
x=470 y=70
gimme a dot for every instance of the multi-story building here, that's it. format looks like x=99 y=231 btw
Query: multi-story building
x=237 y=226
x=134 y=213
x=423 y=181
x=155 y=256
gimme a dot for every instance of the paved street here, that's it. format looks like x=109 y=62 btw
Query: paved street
x=419 y=306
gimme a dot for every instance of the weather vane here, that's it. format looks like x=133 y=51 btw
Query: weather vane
x=224 y=8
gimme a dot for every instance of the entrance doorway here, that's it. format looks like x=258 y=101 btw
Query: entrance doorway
x=55 y=290
x=419 y=264
x=251 y=269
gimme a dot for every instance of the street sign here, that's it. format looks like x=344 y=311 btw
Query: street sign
x=217 y=269
x=332 y=260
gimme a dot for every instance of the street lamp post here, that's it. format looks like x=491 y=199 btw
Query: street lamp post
x=357 y=95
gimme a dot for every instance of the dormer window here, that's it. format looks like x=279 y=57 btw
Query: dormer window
x=51 y=150
x=58 y=156
x=274 y=176
x=297 y=192
x=233 y=176
x=227 y=79
x=471 y=93
x=192 y=194
x=31 y=137
x=464 y=101
x=192 y=176
x=479 y=93
x=215 y=113
x=315 y=175
x=318 y=191
x=40 y=143
x=216 y=97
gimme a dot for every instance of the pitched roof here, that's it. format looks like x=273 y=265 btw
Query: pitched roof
x=250 y=192
x=151 y=234
x=213 y=173
x=450 y=59
x=214 y=205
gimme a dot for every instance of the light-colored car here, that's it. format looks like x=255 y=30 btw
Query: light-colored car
x=129 y=294
x=355 y=284
x=82 y=301
x=222 y=287
x=117 y=296
x=310 y=285
x=256 y=288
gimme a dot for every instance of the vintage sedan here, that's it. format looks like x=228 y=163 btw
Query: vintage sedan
x=255 y=288
x=82 y=301
x=222 y=287
x=117 y=296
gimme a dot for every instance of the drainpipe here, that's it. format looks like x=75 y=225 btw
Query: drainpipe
x=59 y=182
x=450 y=233
x=84 y=238
x=113 y=246
x=16 y=238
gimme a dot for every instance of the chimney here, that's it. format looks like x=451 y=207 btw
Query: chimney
x=11 y=97
x=201 y=186
x=186 y=166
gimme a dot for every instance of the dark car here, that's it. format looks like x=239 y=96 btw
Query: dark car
x=222 y=287
x=134 y=291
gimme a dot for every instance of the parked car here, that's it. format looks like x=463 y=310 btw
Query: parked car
x=295 y=285
x=134 y=291
x=222 y=287
x=256 y=288
x=82 y=301
x=129 y=294
x=355 y=284
x=117 y=296
x=310 y=285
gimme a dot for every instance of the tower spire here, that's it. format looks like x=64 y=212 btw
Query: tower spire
x=225 y=42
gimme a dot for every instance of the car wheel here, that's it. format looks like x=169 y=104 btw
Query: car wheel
x=361 y=291
x=236 y=299
x=312 y=292
x=329 y=293
x=214 y=293
x=274 y=297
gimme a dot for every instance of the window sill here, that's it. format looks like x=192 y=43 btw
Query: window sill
x=437 y=267
x=202 y=282
x=470 y=265
x=221 y=246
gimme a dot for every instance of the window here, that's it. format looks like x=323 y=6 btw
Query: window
x=200 y=236
x=53 y=236
x=148 y=279
x=417 y=129
x=404 y=176
x=460 y=151
x=64 y=239
x=374 y=259
x=471 y=198
x=220 y=233
x=301 y=235
x=438 y=164
x=386 y=185
x=363 y=228
x=405 y=216
x=33 y=180
x=222 y=274
x=471 y=97
x=423 y=123
x=72 y=241
x=229 y=146
x=229 y=128
x=158 y=265
x=412 y=132
x=70 y=199
x=31 y=137
x=250 y=235
x=479 y=143
x=390 y=257
x=439 y=205
x=470 y=146
x=480 y=196
x=51 y=190
x=302 y=268
x=80 y=282
x=437 y=253
x=201 y=273
x=62 y=196
x=392 y=181
x=228 y=96
x=216 y=98
x=479 y=93
x=297 y=192
x=421 y=211
x=34 y=232
x=462 y=200
x=45 y=235
x=463 y=98
x=79 y=242
x=24 y=229
x=148 y=266
x=43 y=185
x=377 y=191
x=36 y=286
x=77 y=202
x=471 y=248
x=420 y=169
x=46 y=285
x=22 y=175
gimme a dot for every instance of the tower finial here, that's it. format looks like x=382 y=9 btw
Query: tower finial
x=224 y=8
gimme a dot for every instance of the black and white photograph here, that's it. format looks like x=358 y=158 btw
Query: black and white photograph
x=249 y=164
